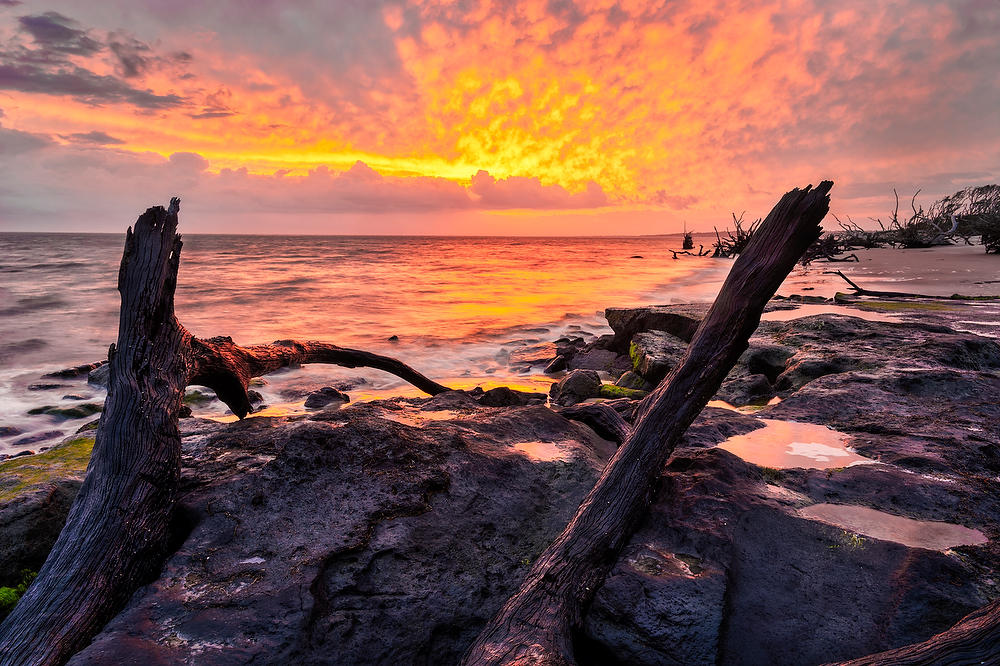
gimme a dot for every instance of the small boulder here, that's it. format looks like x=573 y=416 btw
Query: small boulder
x=502 y=396
x=324 y=397
x=100 y=376
x=633 y=380
x=575 y=387
x=654 y=353
x=558 y=364
x=679 y=320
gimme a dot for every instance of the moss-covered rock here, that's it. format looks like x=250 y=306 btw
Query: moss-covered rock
x=22 y=474
x=36 y=493
x=73 y=412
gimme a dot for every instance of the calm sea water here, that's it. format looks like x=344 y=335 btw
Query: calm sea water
x=458 y=305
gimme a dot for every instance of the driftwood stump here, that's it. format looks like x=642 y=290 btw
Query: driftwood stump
x=115 y=538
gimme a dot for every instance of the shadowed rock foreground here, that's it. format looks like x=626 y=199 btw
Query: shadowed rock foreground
x=390 y=532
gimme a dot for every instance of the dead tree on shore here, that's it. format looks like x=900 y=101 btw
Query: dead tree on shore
x=861 y=291
x=537 y=624
x=115 y=538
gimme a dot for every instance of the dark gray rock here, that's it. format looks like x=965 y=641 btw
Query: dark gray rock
x=37 y=437
x=575 y=387
x=558 y=364
x=354 y=539
x=655 y=353
x=502 y=396
x=100 y=376
x=10 y=431
x=681 y=321
x=324 y=397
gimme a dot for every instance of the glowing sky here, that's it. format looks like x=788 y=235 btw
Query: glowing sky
x=591 y=117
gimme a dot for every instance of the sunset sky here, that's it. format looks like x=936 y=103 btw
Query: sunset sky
x=479 y=117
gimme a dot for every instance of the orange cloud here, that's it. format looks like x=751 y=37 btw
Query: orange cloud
x=699 y=107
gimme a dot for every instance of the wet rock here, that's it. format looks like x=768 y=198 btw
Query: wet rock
x=196 y=397
x=76 y=396
x=184 y=412
x=805 y=368
x=655 y=353
x=100 y=376
x=541 y=354
x=393 y=338
x=74 y=412
x=35 y=495
x=45 y=387
x=255 y=397
x=745 y=389
x=576 y=387
x=324 y=397
x=679 y=321
x=558 y=364
x=766 y=359
x=502 y=396
x=37 y=437
x=593 y=357
x=633 y=380
x=10 y=431
x=78 y=371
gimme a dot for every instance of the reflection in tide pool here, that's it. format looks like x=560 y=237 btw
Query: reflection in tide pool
x=928 y=534
x=544 y=451
x=785 y=444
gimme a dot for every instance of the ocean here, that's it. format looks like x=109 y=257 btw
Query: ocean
x=458 y=306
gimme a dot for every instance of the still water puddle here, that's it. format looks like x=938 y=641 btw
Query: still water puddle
x=809 y=309
x=785 y=444
x=416 y=417
x=887 y=527
x=544 y=451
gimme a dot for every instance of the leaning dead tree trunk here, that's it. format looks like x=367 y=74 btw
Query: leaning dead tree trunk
x=116 y=533
x=536 y=625
x=974 y=640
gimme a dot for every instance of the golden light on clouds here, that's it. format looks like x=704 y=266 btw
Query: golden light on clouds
x=568 y=105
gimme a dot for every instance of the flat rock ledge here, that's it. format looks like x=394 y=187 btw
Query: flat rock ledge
x=390 y=531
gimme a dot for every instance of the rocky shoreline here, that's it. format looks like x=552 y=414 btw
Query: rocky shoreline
x=391 y=530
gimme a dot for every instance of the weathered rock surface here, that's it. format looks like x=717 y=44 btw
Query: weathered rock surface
x=575 y=387
x=655 y=353
x=389 y=532
x=370 y=535
x=681 y=321
x=35 y=495
x=324 y=397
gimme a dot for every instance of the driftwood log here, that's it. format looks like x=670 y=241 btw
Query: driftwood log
x=537 y=624
x=861 y=291
x=115 y=538
x=974 y=640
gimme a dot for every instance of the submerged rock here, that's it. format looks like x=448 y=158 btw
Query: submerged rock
x=324 y=397
x=74 y=412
